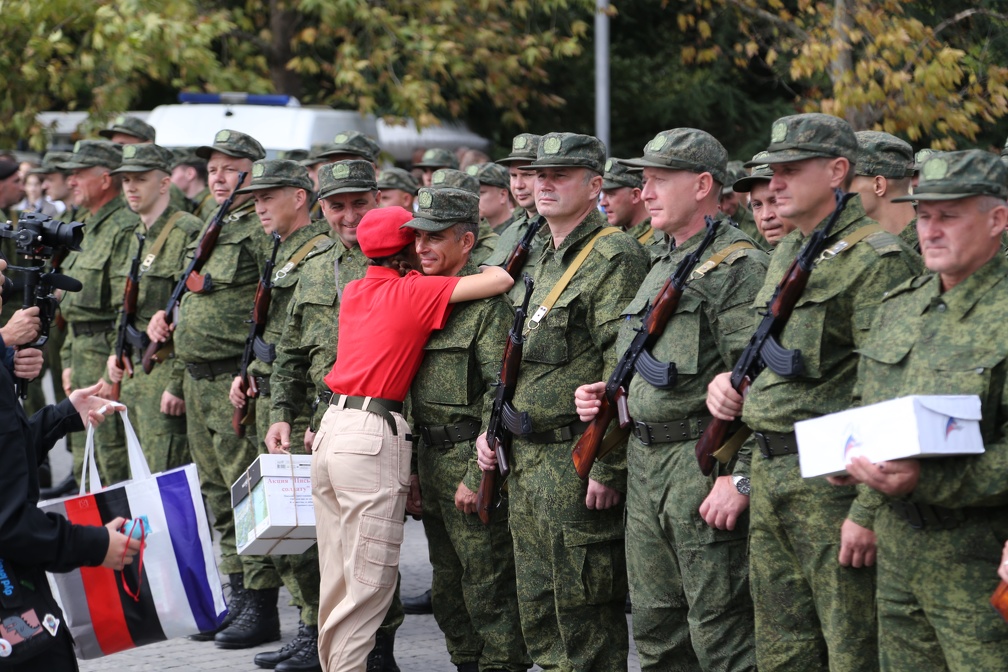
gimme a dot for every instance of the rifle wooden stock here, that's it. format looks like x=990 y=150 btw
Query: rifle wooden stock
x=714 y=437
x=999 y=600
x=519 y=255
x=586 y=450
x=488 y=482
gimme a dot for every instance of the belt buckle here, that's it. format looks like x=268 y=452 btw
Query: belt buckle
x=643 y=432
x=764 y=445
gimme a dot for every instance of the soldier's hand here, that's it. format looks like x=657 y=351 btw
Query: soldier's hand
x=894 y=478
x=115 y=372
x=65 y=380
x=414 y=501
x=465 y=499
x=309 y=441
x=588 y=400
x=723 y=506
x=278 y=438
x=237 y=396
x=158 y=328
x=601 y=497
x=723 y=401
x=23 y=327
x=172 y=405
x=1003 y=569
x=28 y=363
x=857 y=545
x=486 y=458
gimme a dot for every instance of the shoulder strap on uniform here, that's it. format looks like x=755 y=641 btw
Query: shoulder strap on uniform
x=161 y=240
x=848 y=242
x=646 y=236
x=720 y=256
x=299 y=256
x=565 y=279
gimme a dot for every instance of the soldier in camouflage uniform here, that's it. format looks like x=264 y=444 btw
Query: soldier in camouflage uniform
x=282 y=191
x=434 y=159
x=486 y=239
x=763 y=202
x=523 y=152
x=811 y=545
x=209 y=340
x=473 y=589
x=397 y=187
x=734 y=206
x=306 y=351
x=621 y=200
x=568 y=533
x=159 y=419
x=189 y=174
x=496 y=206
x=940 y=333
x=686 y=533
x=91 y=312
x=883 y=171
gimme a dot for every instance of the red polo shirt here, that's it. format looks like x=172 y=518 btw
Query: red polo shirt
x=384 y=323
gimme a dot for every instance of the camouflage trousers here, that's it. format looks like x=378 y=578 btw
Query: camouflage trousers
x=934 y=588
x=473 y=589
x=570 y=564
x=221 y=457
x=89 y=360
x=811 y=613
x=689 y=582
x=163 y=437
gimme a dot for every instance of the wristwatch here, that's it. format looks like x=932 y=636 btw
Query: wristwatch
x=742 y=484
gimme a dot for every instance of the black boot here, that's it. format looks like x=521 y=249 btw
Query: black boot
x=306 y=659
x=273 y=658
x=235 y=600
x=421 y=604
x=67 y=486
x=468 y=667
x=382 y=656
x=258 y=622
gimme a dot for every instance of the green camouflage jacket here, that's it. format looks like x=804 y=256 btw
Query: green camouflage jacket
x=505 y=246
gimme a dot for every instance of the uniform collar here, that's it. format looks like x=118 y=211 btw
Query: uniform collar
x=959 y=300
x=575 y=240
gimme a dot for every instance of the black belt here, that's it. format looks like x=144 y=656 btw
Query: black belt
x=772 y=444
x=924 y=516
x=558 y=435
x=447 y=435
x=93 y=328
x=263 y=385
x=669 y=432
x=383 y=407
x=210 y=370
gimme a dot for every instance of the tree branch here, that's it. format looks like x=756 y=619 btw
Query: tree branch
x=770 y=18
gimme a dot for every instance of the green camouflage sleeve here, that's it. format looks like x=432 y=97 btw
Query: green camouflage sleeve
x=289 y=379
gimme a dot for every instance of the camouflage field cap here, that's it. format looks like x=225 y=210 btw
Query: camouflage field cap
x=734 y=172
x=808 y=136
x=398 y=178
x=884 y=155
x=570 y=150
x=440 y=208
x=142 y=158
x=134 y=126
x=87 y=153
x=949 y=176
x=449 y=177
x=617 y=176
x=524 y=147
x=685 y=149
x=50 y=163
x=436 y=157
x=352 y=142
x=294 y=155
x=491 y=174
x=233 y=143
x=346 y=177
x=760 y=173
x=274 y=173
x=186 y=156
x=922 y=156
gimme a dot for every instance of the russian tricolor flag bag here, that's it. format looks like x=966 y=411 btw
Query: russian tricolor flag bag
x=170 y=590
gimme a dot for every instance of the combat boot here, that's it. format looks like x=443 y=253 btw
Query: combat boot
x=468 y=667
x=236 y=583
x=258 y=622
x=382 y=656
x=421 y=604
x=307 y=658
x=271 y=659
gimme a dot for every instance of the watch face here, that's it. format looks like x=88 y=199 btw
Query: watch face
x=742 y=484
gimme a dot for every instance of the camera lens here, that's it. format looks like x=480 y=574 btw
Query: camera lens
x=64 y=234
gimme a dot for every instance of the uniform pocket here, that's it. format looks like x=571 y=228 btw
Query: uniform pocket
x=595 y=562
x=547 y=343
x=377 y=560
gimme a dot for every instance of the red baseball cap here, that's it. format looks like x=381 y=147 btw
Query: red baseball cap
x=379 y=235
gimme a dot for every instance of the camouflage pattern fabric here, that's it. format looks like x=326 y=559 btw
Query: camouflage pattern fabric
x=810 y=611
x=933 y=584
x=486 y=243
x=747 y=224
x=570 y=561
x=689 y=583
x=473 y=589
x=506 y=244
x=204 y=205
x=909 y=236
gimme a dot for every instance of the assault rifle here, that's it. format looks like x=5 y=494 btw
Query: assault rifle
x=764 y=350
x=519 y=255
x=127 y=336
x=255 y=346
x=502 y=413
x=159 y=351
x=638 y=358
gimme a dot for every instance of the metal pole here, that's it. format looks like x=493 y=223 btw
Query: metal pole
x=602 y=71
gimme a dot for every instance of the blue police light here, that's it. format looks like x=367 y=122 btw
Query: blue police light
x=238 y=98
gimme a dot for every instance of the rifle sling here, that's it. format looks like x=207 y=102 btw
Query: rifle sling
x=160 y=241
x=848 y=242
x=646 y=236
x=715 y=259
x=299 y=256
x=565 y=279
x=725 y=453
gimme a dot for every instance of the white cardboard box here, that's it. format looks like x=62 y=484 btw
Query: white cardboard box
x=914 y=426
x=273 y=507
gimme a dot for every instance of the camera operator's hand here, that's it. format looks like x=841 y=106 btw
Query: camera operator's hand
x=91 y=407
x=121 y=548
x=28 y=363
x=158 y=328
x=23 y=327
